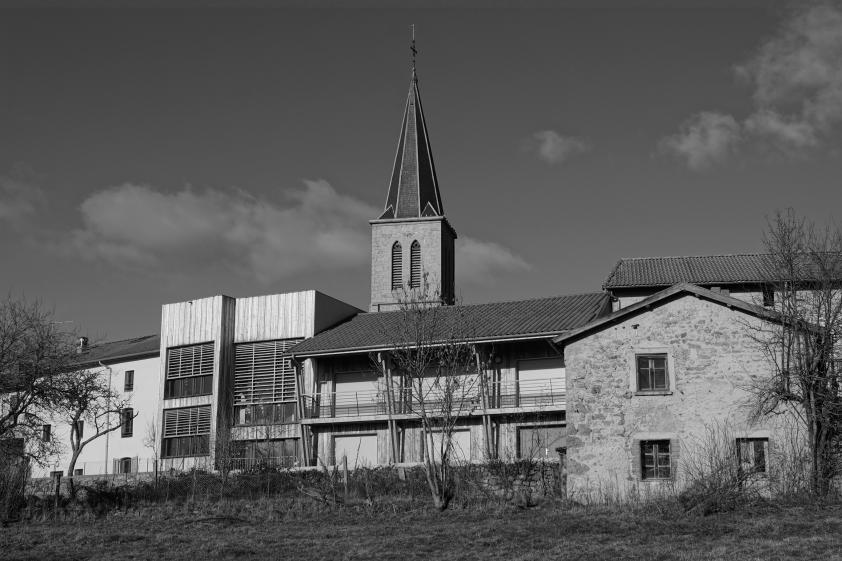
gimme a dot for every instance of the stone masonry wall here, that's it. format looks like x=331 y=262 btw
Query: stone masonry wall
x=429 y=234
x=711 y=358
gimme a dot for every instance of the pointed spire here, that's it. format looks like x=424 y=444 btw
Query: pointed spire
x=414 y=188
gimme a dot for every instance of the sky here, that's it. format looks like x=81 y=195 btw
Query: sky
x=159 y=152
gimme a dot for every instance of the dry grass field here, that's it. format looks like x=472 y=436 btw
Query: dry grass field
x=265 y=530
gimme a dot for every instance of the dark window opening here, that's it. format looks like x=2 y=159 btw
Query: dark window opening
x=188 y=387
x=397 y=266
x=415 y=265
x=768 y=296
x=46 y=433
x=752 y=454
x=128 y=381
x=127 y=420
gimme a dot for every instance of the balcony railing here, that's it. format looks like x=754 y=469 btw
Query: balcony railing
x=501 y=395
x=263 y=463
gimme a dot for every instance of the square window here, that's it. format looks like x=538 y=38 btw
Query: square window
x=128 y=381
x=652 y=374
x=751 y=453
x=655 y=459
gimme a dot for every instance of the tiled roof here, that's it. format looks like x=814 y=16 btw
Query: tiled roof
x=708 y=269
x=117 y=351
x=476 y=322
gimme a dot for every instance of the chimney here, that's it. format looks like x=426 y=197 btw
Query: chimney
x=83 y=345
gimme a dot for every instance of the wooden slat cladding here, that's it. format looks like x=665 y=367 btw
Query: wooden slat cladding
x=187 y=421
x=276 y=316
x=263 y=372
x=191 y=360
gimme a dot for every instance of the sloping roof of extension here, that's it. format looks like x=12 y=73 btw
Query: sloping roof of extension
x=706 y=269
x=121 y=351
x=662 y=297
x=499 y=321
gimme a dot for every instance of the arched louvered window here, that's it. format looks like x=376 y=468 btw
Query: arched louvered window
x=397 y=266
x=415 y=265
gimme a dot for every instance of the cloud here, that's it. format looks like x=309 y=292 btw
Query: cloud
x=138 y=227
x=314 y=229
x=477 y=262
x=20 y=200
x=783 y=132
x=704 y=140
x=554 y=148
x=796 y=80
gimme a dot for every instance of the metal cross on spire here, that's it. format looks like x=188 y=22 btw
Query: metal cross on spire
x=414 y=52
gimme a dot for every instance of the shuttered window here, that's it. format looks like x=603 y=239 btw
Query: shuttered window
x=187 y=421
x=189 y=371
x=397 y=266
x=264 y=375
x=415 y=265
x=192 y=360
x=186 y=431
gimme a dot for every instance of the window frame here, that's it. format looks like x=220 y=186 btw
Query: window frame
x=126 y=422
x=47 y=433
x=415 y=271
x=651 y=350
x=128 y=381
x=179 y=386
x=396 y=260
x=750 y=466
x=656 y=454
x=652 y=369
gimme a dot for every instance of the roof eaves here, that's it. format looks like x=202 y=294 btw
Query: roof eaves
x=381 y=348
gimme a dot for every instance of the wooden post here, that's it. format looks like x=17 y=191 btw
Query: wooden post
x=302 y=430
x=486 y=419
x=392 y=425
x=345 y=474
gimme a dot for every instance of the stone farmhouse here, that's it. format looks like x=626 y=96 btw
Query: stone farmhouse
x=619 y=384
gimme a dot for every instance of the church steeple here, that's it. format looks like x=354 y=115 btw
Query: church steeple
x=412 y=243
x=414 y=187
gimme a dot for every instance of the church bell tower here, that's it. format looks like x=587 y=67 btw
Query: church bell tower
x=412 y=243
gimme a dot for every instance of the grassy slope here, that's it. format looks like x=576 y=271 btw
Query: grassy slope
x=506 y=534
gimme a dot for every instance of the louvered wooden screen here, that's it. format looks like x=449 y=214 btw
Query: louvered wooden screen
x=187 y=421
x=192 y=360
x=263 y=372
x=415 y=265
x=397 y=266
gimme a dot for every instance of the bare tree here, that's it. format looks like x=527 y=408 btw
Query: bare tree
x=430 y=373
x=34 y=351
x=805 y=270
x=91 y=408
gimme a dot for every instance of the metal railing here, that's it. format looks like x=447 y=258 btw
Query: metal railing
x=501 y=395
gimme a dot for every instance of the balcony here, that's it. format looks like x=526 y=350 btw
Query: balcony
x=503 y=398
